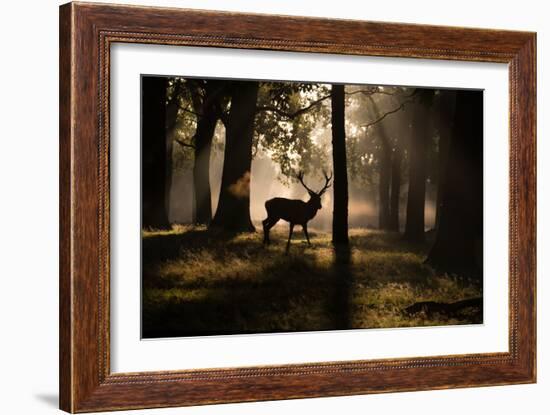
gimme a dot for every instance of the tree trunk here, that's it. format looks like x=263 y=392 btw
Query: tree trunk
x=233 y=212
x=172 y=108
x=340 y=213
x=458 y=246
x=201 y=169
x=384 y=176
x=416 y=198
x=207 y=119
x=153 y=118
x=384 y=181
x=397 y=158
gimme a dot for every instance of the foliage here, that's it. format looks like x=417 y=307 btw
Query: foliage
x=371 y=112
x=293 y=121
x=188 y=94
x=185 y=124
x=288 y=114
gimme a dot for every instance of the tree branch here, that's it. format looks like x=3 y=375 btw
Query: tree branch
x=297 y=113
x=305 y=109
x=190 y=111
x=400 y=107
x=184 y=144
x=370 y=92
x=363 y=91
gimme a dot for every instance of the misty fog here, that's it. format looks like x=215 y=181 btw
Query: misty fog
x=266 y=183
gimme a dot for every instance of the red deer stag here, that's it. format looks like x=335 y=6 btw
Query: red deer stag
x=295 y=212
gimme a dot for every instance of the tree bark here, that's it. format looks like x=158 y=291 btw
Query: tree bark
x=340 y=213
x=397 y=159
x=153 y=137
x=458 y=246
x=416 y=198
x=233 y=211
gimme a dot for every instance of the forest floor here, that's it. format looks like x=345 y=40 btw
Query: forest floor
x=200 y=282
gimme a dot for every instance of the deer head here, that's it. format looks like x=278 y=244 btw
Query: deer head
x=315 y=197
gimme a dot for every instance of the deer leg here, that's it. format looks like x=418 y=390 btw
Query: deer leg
x=268 y=224
x=304 y=227
x=265 y=224
x=289 y=236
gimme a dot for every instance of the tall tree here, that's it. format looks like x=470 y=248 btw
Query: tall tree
x=206 y=102
x=201 y=103
x=418 y=147
x=385 y=168
x=154 y=173
x=389 y=154
x=283 y=117
x=340 y=215
x=397 y=158
x=459 y=239
x=402 y=133
x=233 y=211
x=384 y=182
x=174 y=92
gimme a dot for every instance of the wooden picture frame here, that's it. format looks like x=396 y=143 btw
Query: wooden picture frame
x=86 y=33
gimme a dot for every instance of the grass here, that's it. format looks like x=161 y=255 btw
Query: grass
x=201 y=282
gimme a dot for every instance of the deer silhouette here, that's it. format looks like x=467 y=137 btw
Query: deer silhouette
x=295 y=212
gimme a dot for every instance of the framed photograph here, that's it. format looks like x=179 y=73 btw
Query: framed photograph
x=258 y=207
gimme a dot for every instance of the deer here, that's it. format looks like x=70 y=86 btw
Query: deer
x=294 y=211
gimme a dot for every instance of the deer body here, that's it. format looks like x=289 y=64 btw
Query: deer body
x=293 y=211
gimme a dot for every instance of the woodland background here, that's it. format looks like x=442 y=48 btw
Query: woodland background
x=213 y=151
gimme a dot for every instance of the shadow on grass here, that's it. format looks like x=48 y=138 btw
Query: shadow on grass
x=199 y=282
x=342 y=288
x=388 y=241
x=273 y=303
x=161 y=247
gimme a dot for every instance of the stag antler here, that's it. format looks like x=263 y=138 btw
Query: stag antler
x=327 y=183
x=300 y=177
